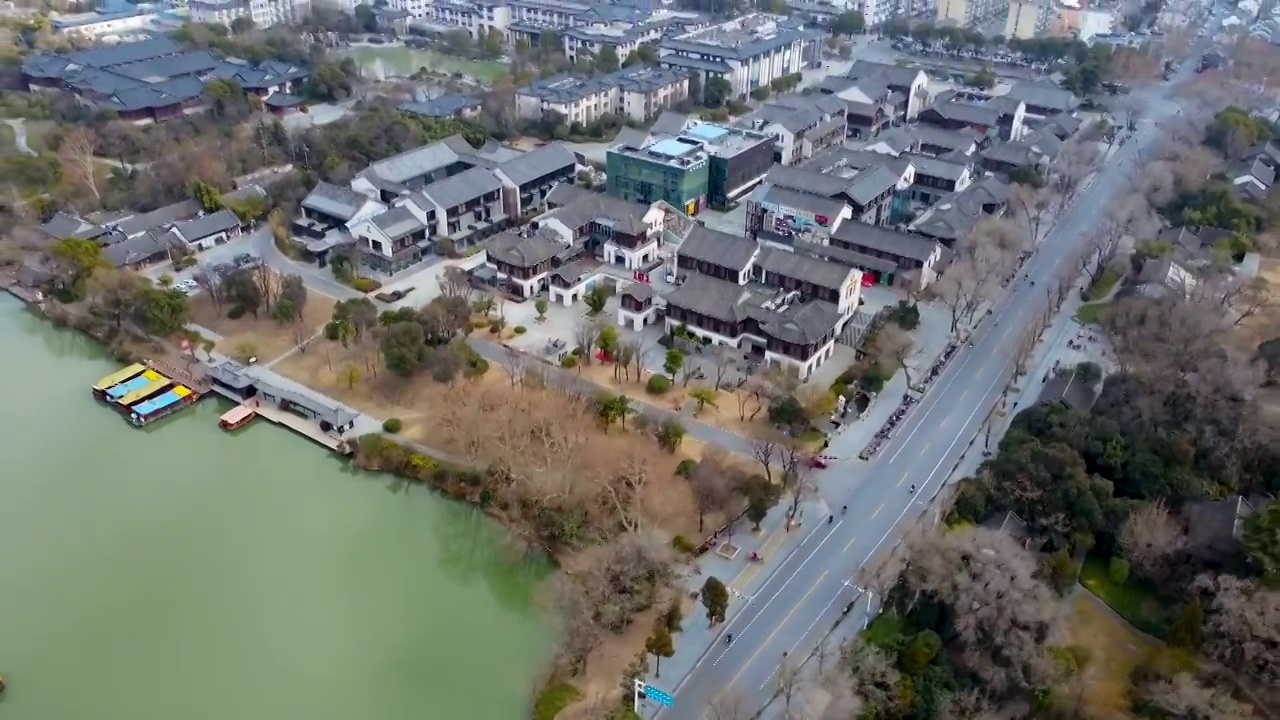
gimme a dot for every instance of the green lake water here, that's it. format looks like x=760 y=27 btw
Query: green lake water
x=182 y=572
x=382 y=61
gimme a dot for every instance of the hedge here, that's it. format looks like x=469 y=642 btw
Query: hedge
x=657 y=385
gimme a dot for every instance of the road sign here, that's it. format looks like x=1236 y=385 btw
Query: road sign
x=659 y=696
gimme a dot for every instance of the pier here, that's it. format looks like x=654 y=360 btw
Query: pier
x=146 y=392
x=305 y=412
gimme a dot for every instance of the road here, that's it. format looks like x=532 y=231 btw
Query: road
x=808 y=590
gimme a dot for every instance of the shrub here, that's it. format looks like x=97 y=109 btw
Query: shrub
x=331 y=331
x=365 y=285
x=479 y=324
x=392 y=425
x=683 y=544
x=1118 y=570
x=520 y=329
x=569 y=362
x=236 y=312
x=657 y=385
x=495 y=327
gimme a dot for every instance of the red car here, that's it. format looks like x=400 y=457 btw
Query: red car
x=821 y=461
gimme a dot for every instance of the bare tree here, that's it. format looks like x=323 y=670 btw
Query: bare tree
x=268 y=282
x=764 y=450
x=789 y=683
x=1248 y=298
x=77 y=157
x=1151 y=539
x=875 y=678
x=623 y=357
x=1036 y=204
x=642 y=345
x=1002 y=611
x=585 y=335
x=1075 y=162
x=1183 y=698
x=514 y=363
x=209 y=282
x=956 y=289
x=1242 y=624
x=723 y=358
x=455 y=284
x=896 y=347
x=711 y=485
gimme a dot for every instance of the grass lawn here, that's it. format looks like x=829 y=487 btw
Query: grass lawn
x=1135 y=600
x=1091 y=313
x=1113 y=649
x=1099 y=289
x=554 y=699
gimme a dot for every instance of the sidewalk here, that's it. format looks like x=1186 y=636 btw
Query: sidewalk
x=744 y=578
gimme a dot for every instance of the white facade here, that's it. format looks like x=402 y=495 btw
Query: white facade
x=802 y=368
x=93 y=25
x=585 y=101
x=263 y=13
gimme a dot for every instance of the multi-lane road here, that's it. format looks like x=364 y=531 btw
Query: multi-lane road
x=807 y=592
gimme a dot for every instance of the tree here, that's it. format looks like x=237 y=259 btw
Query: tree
x=540 y=306
x=1152 y=539
x=350 y=375
x=241 y=290
x=895 y=347
x=716 y=91
x=585 y=334
x=491 y=46
x=1242 y=626
x=596 y=298
x=77 y=156
x=607 y=59
x=607 y=341
x=455 y=284
x=1002 y=612
x=163 y=311
x=703 y=396
x=458 y=42
x=673 y=362
x=1187 y=631
x=715 y=598
x=670 y=435
x=659 y=644
x=292 y=300
x=76 y=261
x=850 y=22
x=788 y=412
x=709 y=482
x=404 y=348
x=1036 y=205
x=114 y=293
x=1182 y=698
x=1262 y=543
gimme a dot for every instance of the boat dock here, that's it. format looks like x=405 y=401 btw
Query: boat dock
x=301 y=410
x=146 y=392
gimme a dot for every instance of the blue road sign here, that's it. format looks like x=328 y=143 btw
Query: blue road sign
x=657 y=695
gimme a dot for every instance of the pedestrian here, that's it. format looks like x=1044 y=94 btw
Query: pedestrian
x=913 y=489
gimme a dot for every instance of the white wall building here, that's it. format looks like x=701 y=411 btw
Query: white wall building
x=263 y=13
x=638 y=93
x=748 y=52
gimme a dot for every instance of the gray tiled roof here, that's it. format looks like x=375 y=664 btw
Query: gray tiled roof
x=622 y=215
x=418 y=162
x=397 y=222
x=200 y=228
x=342 y=203
x=462 y=188
x=63 y=225
x=801 y=322
x=159 y=217
x=1044 y=95
x=873 y=237
x=805 y=268
x=537 y=163
x=944 y=137
x=966 y=113
x=810 y=181
x=522 y=252
x=816 y=204
x=840 y=157
x=935 y=167
x=895 y=75
x=670 y=122
x=570 y=88
x=869 y=184
x=1014 y=153
x=718 y=248
x=141 y=248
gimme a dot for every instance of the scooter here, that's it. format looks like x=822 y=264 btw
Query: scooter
x=728 y=639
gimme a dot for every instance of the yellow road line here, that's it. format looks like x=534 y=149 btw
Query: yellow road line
x=776 y=630
x=877 y=512
x=849 y=545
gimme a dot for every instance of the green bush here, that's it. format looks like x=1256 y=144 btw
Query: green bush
x=1118 y=571
x=236 y=312
x=392 y=425
x=331 y=330
x=657 y=385
x=479 y=324
x=683 y=544
x=569 y=362
x=520 y=329
x=365 y=285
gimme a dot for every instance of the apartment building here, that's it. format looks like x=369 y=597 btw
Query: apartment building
x=748 y=52
x=704 y=164
x=969 y=13
x=802 y=125
x=637 y=93
x=263 y=13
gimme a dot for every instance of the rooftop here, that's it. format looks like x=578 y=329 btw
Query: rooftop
x=564 y=89
x=719 y=248
x=523 y=252
x=537 y=163
x=421 y=161
x=798 y=321
x=462 y=188
x=741 y=38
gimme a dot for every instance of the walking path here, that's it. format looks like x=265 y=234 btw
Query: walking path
x=20 y=136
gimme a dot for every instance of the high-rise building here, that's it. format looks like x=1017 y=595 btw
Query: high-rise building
x=1027 y=19
x=968 y=13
